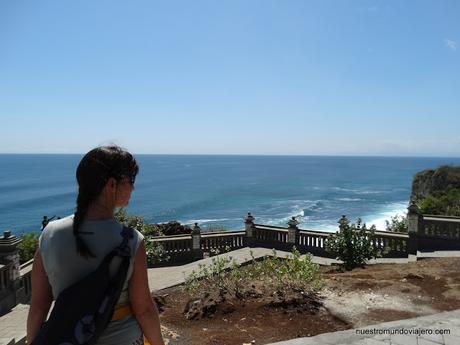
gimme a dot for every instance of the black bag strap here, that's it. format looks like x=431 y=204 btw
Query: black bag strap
x=123 y=249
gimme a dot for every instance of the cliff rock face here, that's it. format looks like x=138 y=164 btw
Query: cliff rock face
x=431 y=181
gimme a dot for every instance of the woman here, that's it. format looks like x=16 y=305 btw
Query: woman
x=72 y=247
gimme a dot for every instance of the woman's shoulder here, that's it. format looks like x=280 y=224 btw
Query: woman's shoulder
x=59 y=224
x=137 y=238
x=56 y=230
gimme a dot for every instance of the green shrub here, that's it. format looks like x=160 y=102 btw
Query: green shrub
x=445 y=202
x=154 y=250
x=397 y=223
x=28 y=246
x=353 y=244
x=138 y=223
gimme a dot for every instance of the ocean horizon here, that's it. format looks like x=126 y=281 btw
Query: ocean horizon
x=219 y=190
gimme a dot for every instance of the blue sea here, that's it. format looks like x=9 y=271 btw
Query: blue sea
x=219 y=190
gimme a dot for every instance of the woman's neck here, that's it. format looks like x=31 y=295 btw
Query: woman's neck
x=99 y=211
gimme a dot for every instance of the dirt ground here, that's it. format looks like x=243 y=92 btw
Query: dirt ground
x=364 y=296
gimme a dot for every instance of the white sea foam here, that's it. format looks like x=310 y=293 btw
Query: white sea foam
x=280 y=212
x=204 y=221
x=348 y=199
x=391 y=210
x=358 y=191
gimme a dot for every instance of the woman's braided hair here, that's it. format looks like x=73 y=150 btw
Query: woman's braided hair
x=93 y=172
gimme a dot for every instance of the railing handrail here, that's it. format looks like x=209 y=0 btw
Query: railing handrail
x=169 y=238
x=25 y=264
x=316 y=233
x=391 y=234
x=270 y=227
x=222 y=234
x=440 y=218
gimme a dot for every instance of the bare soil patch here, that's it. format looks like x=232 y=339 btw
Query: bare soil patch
x=377 y=293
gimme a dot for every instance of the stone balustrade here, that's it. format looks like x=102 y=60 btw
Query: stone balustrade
x=426 y=233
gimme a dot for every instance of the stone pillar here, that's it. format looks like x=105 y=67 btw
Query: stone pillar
x=9 y=255
x=249 y=228
x=196 y=243
x=293 y=231
x=414 y=219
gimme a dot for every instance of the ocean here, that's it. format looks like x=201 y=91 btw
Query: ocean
x=219 y=190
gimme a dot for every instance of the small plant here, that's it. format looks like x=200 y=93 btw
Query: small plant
x=397 y=223
x=353 y=244
x=300 y=273
x=28 y=246
x=155 y=252
x=210 y=275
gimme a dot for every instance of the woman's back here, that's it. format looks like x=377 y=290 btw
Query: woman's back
x=64 y=266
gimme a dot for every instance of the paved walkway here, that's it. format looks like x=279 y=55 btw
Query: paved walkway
x=447 y=322
x=13 y=324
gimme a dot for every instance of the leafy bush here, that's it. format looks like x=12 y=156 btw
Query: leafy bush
x=154 y=251
x=397 y=223
x=353 y=244
x=138 y=223
x=28 y=246
x=445 y=202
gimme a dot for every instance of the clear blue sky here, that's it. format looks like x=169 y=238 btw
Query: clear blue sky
x=231 y=77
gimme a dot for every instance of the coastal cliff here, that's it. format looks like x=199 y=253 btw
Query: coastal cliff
x=430 y=182
x=438 y=191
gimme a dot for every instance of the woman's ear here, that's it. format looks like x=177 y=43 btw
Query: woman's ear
x=111 y=183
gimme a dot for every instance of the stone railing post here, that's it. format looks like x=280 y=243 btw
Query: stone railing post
x=9 y=255
x=197 y=252
x=293 y=231
x=414 y=217
x=343 y=223
x=249 y=229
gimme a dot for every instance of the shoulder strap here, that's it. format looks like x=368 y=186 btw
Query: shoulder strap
x=123 y=249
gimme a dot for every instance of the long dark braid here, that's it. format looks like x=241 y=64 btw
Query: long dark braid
x=83 y=203
x=93 y=172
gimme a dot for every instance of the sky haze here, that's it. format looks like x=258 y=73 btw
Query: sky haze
x=231 y=77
